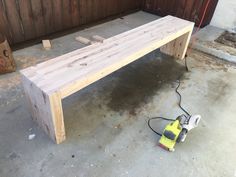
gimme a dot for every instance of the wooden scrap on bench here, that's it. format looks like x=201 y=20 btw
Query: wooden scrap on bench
x=98 y=38
x=83 y=40
x=46 y=44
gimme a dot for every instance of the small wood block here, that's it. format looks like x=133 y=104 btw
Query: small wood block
x=46 y=44
x=83 y=40
x=98 y=38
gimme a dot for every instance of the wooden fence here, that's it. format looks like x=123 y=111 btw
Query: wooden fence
x=22 y=20
x=187 y=9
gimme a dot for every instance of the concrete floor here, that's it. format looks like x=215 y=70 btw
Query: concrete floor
x=205 y=42
x=107 y=132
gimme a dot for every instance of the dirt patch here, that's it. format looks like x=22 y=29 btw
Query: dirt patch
x=206 y=61
x=228 y=39
x=140 y=81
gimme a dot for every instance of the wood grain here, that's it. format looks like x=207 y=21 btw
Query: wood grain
x=187 y=9
x=47 y=8
x=27 y=19
x=14 y=20
x=66 y=14
x=75 y=13
x=72 y=72
x=57 y=14
x=5 y=30
x=38 y=17
x=22 y=20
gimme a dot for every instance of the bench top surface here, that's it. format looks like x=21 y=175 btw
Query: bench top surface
x=75 y=70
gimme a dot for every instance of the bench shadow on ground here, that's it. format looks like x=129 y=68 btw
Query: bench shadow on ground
x=140 y=81
x=124 y=90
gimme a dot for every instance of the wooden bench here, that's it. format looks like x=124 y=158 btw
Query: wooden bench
x=46 y=84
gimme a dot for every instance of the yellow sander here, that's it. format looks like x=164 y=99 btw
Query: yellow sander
x=176 y=131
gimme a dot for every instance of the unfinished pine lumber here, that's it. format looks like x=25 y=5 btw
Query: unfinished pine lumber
x=83 y=40
x=98 y=38
x=47 y=44
x=46 y=84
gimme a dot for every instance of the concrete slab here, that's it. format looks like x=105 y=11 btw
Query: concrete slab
x=107 y=132
x=205 y=41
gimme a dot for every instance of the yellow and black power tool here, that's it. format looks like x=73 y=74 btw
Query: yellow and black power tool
x=176 y=131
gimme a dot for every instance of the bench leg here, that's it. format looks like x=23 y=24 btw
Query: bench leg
x=178 y=47
x=46 y=110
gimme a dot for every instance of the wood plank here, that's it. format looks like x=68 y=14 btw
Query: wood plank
x=117 y=52
x=75 y=12
x=47 y=9
x=2 y=38
x=66 y=14
x=107 y=67
x=181 y=7
x=110 y=7
x=80 y=54
x=188 y=9
x=94 y=7
x=196 y=12
x=26 y=17
x=95 y=48
x=178 y=47
x=47 y=44
x=102 y=9
x=14 y=20
x=82 y=11
x=173 y=8
x=5 y=28
x=83 y=40
x=89 y=11
x=57 y=15
x=98 y=38
x=38 y=17
x=78 y=69
x=156 y=5
x=45 y=110
x=209 y=13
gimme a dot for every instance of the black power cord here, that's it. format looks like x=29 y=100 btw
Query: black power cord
x=154 y=118
x=166 y=119
x=180 y=98
x=186 y=63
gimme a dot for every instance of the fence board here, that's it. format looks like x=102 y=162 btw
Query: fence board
x=26 y=18
x=13 y=18
x=38 y=17
x=57 y=15
x=188 y=9
x=47 y=8
x=66 y=14
x=5 y=29
x=22 y=20
x=75 y=12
